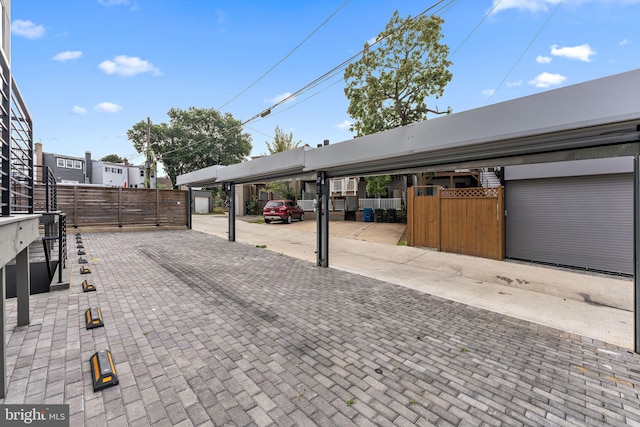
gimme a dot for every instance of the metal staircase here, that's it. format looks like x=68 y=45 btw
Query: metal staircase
x=489 y=179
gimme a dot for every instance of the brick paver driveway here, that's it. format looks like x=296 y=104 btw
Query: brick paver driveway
x=207 y=332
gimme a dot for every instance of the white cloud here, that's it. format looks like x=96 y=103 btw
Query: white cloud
x=488 y=92
x=514 y=84
x=625 y=42
x=124 y=65
x=542 y=59
x=107 y=107
x=344 y=125
x=68 y=55
x=581 y=53
x=526 y=5
x=281 y=97
x=27 y=29
x=78 y=110
x=545 y=80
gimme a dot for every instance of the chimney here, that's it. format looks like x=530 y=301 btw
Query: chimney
x=126 y=162
x=37 y=151
x=88 y=165
x=326 y=142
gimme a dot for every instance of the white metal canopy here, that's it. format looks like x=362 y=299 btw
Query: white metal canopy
x=596 y=119
x=595 y=113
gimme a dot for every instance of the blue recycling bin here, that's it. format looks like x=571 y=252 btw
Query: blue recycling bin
x=368 y=215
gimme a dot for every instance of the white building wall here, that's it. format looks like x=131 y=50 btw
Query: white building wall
x=110 y=174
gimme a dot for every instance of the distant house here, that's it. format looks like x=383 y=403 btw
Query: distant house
x=136 y=177
x=110 y=174
x=66 y=169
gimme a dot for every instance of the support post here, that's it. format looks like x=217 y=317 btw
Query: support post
x=3 y=337
x=23 y=286
x=189 y=208
x=322 y=220
x=636 y=254
x=325 y=222
x=317 y=205
x=231 y=194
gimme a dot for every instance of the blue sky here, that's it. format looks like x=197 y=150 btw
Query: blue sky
x=90 y=69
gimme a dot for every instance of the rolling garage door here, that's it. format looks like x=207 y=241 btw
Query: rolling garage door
x=578 y=221
x=201 y=204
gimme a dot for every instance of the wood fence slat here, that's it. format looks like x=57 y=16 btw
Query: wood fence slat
x=468 y=221
x=110 y=206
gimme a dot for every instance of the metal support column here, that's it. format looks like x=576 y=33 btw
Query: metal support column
x=636 y=254
x=189 y=209
x=325 y=222
x=322 y=220
x=23 y=286
x=230 y=189
x=317 y=205
x=3 y=336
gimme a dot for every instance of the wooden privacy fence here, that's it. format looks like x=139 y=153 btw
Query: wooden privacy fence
x=467 y=221
x=120 y=207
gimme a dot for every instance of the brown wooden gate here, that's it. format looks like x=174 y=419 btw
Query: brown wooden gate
x=467 y=221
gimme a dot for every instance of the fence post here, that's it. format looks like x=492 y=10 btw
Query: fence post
x=75 y=206
x=157 y=207
x=120 y=207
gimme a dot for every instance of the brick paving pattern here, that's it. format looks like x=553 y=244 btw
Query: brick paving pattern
x=207 y=332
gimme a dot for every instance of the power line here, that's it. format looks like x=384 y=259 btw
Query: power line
x=525 y=50
x=316 y=82
x=286 y=56
x=333 y=71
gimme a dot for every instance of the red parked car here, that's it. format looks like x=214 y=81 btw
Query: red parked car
x=282 y=210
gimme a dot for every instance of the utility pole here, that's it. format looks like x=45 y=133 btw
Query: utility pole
x=147 y=165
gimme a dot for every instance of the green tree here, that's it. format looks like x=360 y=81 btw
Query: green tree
x=283 y=188
x=193 y=139
x=282 y=142
x=377 y=185
x=389 y=85
x=112 y=158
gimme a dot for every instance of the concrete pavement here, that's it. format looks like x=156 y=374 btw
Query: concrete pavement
x=590 y=305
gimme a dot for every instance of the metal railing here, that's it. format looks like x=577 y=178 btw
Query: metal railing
x=343 y=185
x=338 y=204
x=16 y=141
x=62 y=245
x=45 y=177
x=391 y=203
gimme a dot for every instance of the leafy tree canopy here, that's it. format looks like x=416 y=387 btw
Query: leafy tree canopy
x=377 y=185
x=193 y=139
x=389 y=85
x=282 y=188
x=112 y=158
x=282 y=142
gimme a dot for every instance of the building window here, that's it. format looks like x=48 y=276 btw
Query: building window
x=77 y=164
x=142 y=173
x=60 y=162
x=69 y=163
x=120 y=171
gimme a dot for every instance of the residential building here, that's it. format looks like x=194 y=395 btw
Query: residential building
x=110 y=174
x=136 y=177
x=66 y=169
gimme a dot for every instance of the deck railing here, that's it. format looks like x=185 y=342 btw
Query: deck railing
x=338 y=204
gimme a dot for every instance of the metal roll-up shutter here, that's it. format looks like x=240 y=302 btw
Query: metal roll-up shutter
x=201 y=204
x=582 y=221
